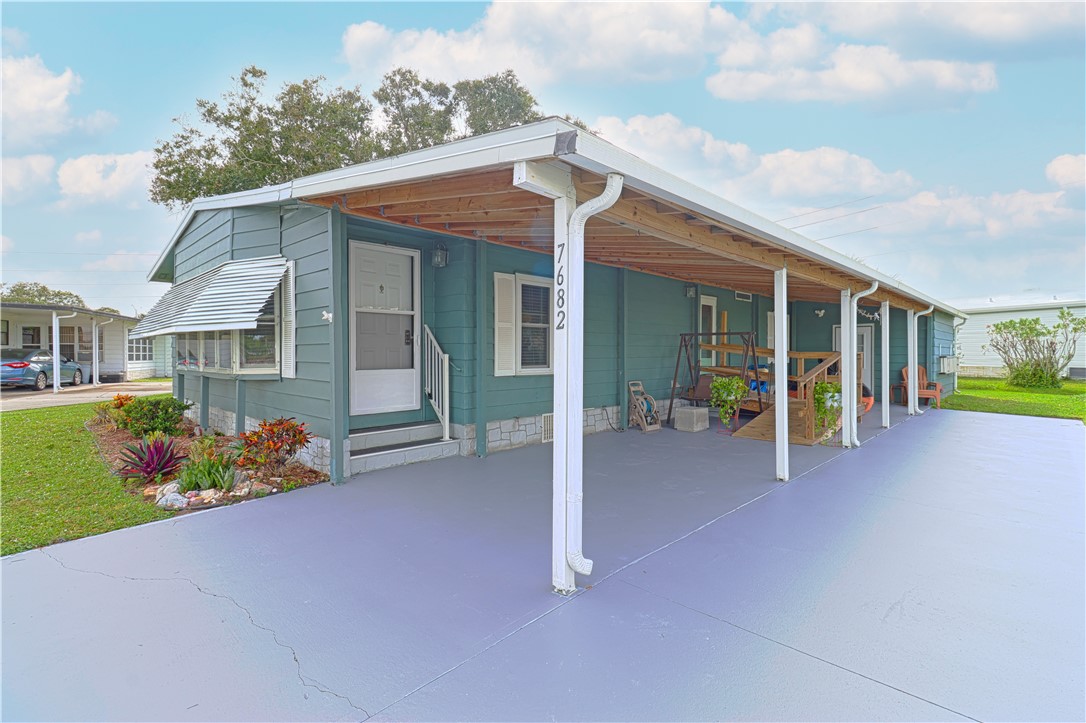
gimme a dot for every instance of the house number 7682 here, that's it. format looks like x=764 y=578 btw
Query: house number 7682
x=560 y=282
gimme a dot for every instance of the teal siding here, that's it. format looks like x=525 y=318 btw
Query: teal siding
x=942 y=344
x=255 y=232
x=204 y=245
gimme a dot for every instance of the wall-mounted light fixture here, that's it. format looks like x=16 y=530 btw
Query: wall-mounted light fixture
x=440 y=256
x=691 y=290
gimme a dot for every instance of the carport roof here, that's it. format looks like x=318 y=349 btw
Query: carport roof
x=662 y=224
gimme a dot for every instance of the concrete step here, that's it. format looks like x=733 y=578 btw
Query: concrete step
x=396 y=455
x=399 y=434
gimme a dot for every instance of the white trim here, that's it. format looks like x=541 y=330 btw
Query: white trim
x=703 y=301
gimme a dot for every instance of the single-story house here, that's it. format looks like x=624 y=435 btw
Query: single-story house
x=120 y=358
x=502 y=290
x=977 y=360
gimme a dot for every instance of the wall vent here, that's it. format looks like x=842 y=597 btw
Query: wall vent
x=742 y=296
x=548 y=427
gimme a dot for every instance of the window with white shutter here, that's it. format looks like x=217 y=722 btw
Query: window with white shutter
x=287 y=324
x=523 y=325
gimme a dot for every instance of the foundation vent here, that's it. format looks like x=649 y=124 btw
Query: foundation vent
x=548 y=427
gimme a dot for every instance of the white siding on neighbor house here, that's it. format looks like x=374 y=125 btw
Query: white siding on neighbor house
x=113 y=335
x=161 y=362
x=976 y=360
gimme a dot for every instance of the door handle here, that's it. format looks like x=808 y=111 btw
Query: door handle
x=407 y=337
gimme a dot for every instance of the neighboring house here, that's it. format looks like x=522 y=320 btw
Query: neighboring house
x=977 y=360
x=322 y=298
x=120 y=359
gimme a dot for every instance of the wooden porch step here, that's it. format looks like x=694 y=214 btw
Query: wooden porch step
x=764 y=426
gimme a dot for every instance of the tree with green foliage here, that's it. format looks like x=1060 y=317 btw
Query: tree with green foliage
x=246 y=142
x=1035 y=354
x=32 y=292
x=495 y=102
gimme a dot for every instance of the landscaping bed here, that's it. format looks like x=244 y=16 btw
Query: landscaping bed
x=172 y=463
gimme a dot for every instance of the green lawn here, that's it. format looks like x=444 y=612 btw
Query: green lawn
x=55 y=486
x=153 y=380
x=995 y=395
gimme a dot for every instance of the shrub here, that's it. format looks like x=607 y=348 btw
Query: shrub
x=202 y=448
x=154 y=414
x=150 y=459
x=827 y=405
x=1035 y=354
x=205 y=473
x=120 y=401
x=272 y=444
x=726 y=393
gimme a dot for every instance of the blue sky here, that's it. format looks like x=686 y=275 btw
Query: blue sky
x=944 y=141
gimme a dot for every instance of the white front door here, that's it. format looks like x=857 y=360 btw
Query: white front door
x=865 y=343
x=384 y=336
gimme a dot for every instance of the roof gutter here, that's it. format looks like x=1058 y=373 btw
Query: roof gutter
x=586 y=151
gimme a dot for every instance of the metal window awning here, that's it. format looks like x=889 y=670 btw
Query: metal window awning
x=229 y=296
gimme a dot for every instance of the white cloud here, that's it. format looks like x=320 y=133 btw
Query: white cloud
x=6 y=244
x=88 y=237
x=819 y=172
x=549 y=42
x=1067 y=171
x=108 y=177
x=13 y=39
x=947 y=25
x=119 y=261
x=35 y=108
x=800 y=64
x=25 y=174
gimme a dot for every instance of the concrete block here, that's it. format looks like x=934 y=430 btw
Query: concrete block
x=691 y=419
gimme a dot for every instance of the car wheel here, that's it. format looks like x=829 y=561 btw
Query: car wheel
x=40 y=381
x=77 y=378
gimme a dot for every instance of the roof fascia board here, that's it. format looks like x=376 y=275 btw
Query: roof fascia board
x=1075 y=304
x=79 y=310
x=253 y=197
x=522 y=143
x=598 y=156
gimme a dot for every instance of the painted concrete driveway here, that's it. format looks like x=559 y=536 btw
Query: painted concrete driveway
x=936 y=573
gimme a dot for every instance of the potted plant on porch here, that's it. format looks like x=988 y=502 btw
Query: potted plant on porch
x=726 y=394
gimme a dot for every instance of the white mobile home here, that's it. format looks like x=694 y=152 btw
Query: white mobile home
x=977 y=360
x=30 y=326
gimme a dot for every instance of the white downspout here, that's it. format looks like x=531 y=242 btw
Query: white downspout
x=56 y=348
x=910 y=360
x=914 y=374
x=575 y=406
x=97 y=351
x=885 y=357
x=954 y=348
x=853 y=378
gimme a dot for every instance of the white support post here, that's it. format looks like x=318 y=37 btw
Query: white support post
x=914 y=375
x=562 y=575
x=884 y=357
x=911 y=360
x=98 y=351
x=94 y=350
x=56 y=353
x=780 y=368
x=854 y=380
x=847 y=369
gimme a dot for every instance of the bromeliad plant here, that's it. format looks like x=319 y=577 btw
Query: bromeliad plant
x=205 y=473
x=727 y=393
x=152 y=458
x=271 y=445
x=827 y=405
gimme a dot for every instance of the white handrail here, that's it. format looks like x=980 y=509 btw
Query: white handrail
x=437 y=380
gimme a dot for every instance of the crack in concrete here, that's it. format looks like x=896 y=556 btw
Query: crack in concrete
x=795 y=649
x=306 y=681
